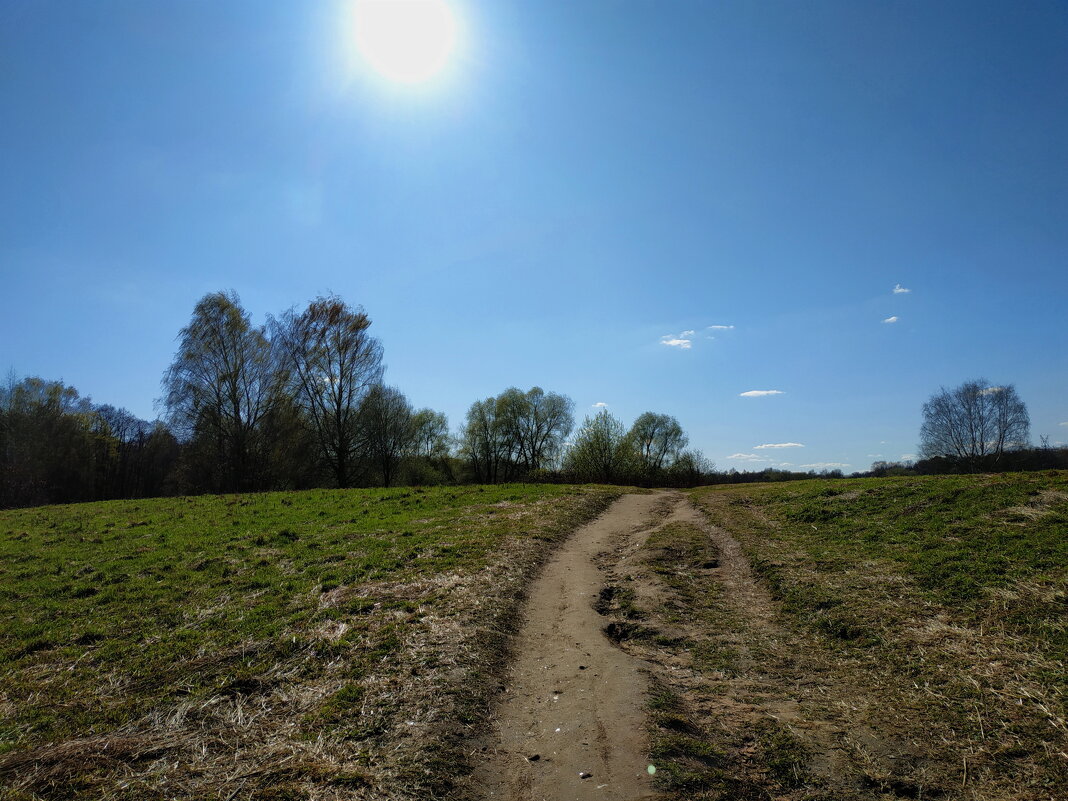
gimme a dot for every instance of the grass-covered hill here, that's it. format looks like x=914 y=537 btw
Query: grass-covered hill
x=894 y=638
x=930 y=626
x=327 y=644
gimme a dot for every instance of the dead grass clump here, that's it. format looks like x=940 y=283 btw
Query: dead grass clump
x=372 y=697
x=1040 y=506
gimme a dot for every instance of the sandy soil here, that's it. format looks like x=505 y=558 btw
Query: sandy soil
x=570 y=725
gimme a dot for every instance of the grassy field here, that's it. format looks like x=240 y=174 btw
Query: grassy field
x=810 y=641
x=272 y=646
x=925 y=631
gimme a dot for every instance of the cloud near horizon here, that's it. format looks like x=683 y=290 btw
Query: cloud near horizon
x=600 y=405
x=778 y=445
x=893 y=319
x=825 y=465
x=900 y=290
x=760 y=393
x=748 y=457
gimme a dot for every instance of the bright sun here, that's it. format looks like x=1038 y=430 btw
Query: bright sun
x=405 y=40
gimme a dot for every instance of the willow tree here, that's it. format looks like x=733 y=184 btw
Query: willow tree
x=483 y=441
x=333 y=362
x=535 y=424
x=657 y=440
x=221 y=386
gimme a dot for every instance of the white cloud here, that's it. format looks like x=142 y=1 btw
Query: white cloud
x=685 y=339
x=759 y=393
x=679 y=341
x=748 y=457
x=825 y=465
x=875 y=456
x=1065 y=423
x=991 y=390
x=893 y=319
x=600 y=405
x=778 y=445
x=900 y=290
x=907 y=457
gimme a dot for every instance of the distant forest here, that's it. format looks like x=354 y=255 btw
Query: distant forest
x=300 y=403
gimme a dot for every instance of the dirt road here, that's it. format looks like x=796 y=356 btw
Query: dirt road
x=571 y=726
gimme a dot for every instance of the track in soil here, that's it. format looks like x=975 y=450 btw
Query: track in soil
x=571 y=723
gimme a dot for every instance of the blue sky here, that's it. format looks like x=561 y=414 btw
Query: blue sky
x=584 y=183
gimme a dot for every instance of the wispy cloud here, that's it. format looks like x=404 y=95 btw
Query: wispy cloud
x=759 y=393
x=683 y=340
x=893 y=319
x=1065 y=423
x=900 y=290
x=778 y=445
x=600 y=405
x=991 y=390
x=825 y=465
x=748 y=457
x=907 y=457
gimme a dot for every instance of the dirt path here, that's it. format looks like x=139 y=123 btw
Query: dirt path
x=571 y=726
x=763 y=710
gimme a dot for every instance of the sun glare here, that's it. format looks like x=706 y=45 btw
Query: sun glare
x=408 y=41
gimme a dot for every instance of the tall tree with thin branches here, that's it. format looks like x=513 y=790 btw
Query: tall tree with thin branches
x=975 y=423
x=387 y=433
x=657 y=440
x=333 y=362
x=222 y=384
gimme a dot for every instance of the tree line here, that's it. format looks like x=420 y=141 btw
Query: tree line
x=301 y=402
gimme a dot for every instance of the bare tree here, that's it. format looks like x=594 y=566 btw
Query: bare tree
x=975 y=422
x=483 y=441
x=333 y=363
x=222 y=383
x=431 y=439
x=386 y=430
x=543 y=427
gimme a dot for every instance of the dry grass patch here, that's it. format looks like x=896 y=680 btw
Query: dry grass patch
x=944 y=607
x=285 y=646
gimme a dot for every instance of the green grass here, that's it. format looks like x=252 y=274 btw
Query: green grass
x=116 y=616
x=945 y=599
x=737 y=751
x=992 y=549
